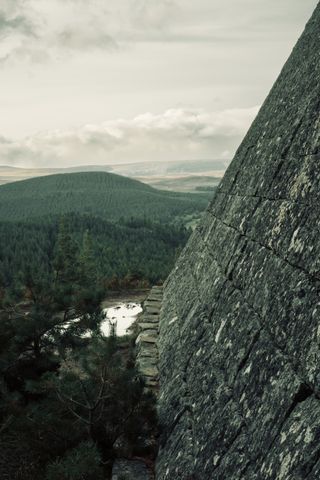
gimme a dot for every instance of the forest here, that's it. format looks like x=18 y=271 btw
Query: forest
x=70 y=398
x=133 y=252
x=136 y=231
x=101 y=194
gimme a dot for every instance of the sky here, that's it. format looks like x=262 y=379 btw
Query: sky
x=118 y=81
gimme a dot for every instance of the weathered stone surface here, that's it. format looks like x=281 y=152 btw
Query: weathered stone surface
x=152 y=310
x=151 y=318
x=146 y=344
x=148 y=326
x=147 y=360
x=147 y=338
x=152 y=383
x=240 y=325
x=148 y=370
x=151 y=332
x=124 y=469
x=148 y=350
x=153 y=303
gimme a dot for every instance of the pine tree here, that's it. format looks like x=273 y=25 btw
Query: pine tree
x=87 y=261
x=66 y=267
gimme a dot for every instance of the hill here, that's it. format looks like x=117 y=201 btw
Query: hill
x=136 y=231
x=100 y=194
x=163 y=175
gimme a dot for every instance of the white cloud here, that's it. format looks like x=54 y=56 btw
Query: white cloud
x=74 y=62
x=154 y=14
x=174 y=134
x=38 y=29
x=60 y=27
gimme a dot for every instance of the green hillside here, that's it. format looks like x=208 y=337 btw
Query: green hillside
x=136 y=231
x=101 y=194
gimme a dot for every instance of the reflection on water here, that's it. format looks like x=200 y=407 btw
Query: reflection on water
x=121 y=314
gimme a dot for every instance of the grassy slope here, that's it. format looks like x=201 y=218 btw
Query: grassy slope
x=101 y=194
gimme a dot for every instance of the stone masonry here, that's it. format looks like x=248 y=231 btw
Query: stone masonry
x=147 y=340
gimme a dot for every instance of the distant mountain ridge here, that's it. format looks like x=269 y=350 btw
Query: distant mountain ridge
x=149 y=172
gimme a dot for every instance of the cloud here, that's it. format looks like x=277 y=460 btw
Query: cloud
x=36 y=31
x=10 y=24
x=154 y=14
x=53 y=29
x=176 y=134
x=56 y=29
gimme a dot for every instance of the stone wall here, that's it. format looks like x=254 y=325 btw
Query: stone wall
x=147 y=341
x=240 y=323
x=147 y=358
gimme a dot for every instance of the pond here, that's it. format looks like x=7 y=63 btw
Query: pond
x=122 y=310
x=122 y=315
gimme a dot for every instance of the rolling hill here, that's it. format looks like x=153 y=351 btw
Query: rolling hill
x=98 y=194
x=164 y=175
x=136 y=231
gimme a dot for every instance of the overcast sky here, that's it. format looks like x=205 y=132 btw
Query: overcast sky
x=105 y=81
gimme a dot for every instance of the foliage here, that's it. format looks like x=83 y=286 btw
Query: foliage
x=134 y=231
x=67 y=398
x=71 y=399
x=98 y=194
x=132 y=252
x=80 y=463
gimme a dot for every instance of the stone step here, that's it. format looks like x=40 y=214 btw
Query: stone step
x=157 y=288
x=155 y=300
x=150 y=331
x=145 y=360
x=149 y=371
x=152 y=310
x=151 y=383
x=149 y=319
x=147 y=338
x=153 y=303
x=147 y=354
x=156 y=295
x=147 y=350
x=148 y=326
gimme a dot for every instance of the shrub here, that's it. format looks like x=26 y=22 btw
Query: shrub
x=80 y=463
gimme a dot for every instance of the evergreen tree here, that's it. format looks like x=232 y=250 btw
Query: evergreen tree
x=66 y=267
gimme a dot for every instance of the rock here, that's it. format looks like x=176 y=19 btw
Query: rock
x=152 y=310
x=149 y=371
x=146 y=344
x=149 y=331
x=147 y=360
x=147 y=338
x=148 y=367
x=151 y=318
x=153 y=302
x=147 y=326
x=148 y=350
x=152 y=383
x=239 y=339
